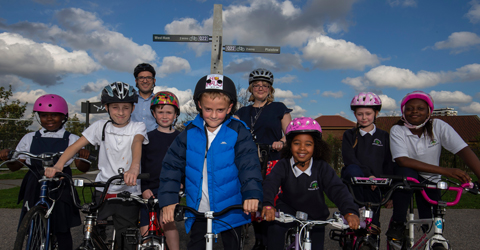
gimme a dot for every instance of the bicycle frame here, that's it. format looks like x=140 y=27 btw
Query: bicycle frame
x=435 y=233
x=209 y=215
x=43 y=202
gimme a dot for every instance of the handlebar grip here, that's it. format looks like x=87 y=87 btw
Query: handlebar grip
x=143 y=176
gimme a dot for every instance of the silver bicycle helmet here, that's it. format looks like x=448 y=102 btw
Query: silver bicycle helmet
x=119 y=92
x=260 y=75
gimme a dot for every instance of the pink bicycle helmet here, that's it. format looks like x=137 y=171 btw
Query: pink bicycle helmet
x=417 y=95
x=51 y=103
x=303 y=125
x=366 y=100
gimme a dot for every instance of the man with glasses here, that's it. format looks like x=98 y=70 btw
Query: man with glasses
x=145 y=81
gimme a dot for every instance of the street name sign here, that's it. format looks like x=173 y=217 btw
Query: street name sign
x=252 y=49
x=182 y=38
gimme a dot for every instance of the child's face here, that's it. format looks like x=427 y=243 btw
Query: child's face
x=165 y=115
x=365 y=116
x=214 y=111
x=120 y=112
x=416 y=111
x=302 y=148
x=51 y=121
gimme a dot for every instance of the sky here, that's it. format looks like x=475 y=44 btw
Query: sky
x=330 y=49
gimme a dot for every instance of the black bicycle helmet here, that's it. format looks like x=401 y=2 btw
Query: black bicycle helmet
x=260 y=75
x=119 y=92
x=215 y=82
x=143 y=67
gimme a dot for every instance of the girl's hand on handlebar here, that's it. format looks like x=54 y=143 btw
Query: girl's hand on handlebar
x=4 y=154
x=277 y=145
x=147 y=194
x=51 y=171
x=458 y=174
x=83 y=153
x=130 y=177
x=353 y=221
x=168 y=213
x=250 y=206
x=268 y=213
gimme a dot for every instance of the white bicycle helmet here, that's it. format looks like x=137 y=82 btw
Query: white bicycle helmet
x=260 y=75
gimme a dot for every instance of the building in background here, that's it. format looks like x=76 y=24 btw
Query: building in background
x=445 y=112
x=334 y=125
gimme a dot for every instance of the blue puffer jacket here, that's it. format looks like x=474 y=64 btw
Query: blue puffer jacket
x=233 y=170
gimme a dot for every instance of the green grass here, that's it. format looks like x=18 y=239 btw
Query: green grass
x=9 y=175
x=9 y=197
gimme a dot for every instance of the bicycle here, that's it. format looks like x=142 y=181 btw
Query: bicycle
x=210 y=216
x=92 y=239
x=155 y=238
x=298 y=238
x=433 y=238
x=34 y=230
x=363 y=239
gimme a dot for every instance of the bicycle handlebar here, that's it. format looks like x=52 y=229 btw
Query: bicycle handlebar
x=14 y=155
x=180 y=211
x=410 y=183
x=337 y=221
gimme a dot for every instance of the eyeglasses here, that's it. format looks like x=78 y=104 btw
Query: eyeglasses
x=260 y=86
x=142 y=78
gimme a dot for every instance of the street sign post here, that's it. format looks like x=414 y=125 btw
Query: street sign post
x=91 y=108
x=216 y=65
x=252 y=49
x=182 y=38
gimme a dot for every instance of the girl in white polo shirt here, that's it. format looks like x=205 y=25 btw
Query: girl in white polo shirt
x=416 y=142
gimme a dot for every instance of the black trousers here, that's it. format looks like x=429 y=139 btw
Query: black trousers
x=230 y=238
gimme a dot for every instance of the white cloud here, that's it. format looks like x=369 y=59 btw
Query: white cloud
x=449 y=97
x=10 y=80
x=473 y=108
x=173 y=64
x=473 y=13
x=94 y=87
x=337 y=94
x=285 y=94
x=327 y=53
x=297 y=111
x=313 y=101
x=289 y=25
x=459 y=42
x=286 y=79
x=388 y=103
x=41 y=62
x=304 y=94
x=402 y=3
x=84 y=31
x=388 y=76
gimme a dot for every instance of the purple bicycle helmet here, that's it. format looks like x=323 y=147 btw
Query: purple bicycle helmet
x=51 y=103
x=303 y=125
x=366 y=100
x=418 y=95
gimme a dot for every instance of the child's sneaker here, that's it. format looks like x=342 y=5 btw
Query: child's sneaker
x=396 y=230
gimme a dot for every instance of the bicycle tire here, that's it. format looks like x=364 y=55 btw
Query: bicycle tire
x=96 y=242
x=35 y=220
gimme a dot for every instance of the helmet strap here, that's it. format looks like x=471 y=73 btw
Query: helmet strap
x=411 y=126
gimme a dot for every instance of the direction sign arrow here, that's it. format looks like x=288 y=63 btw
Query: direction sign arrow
x=93 y=107
x=252 y=49
x=182 y=38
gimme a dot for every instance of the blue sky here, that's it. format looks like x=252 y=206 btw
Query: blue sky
x=331 y=49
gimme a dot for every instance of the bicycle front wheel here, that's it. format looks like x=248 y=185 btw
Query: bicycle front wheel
x=33 y=231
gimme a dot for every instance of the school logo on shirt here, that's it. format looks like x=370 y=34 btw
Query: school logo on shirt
x=432 y=143
x=313 y=186
x=377 y=142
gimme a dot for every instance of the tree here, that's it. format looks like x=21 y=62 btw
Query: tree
x=336 y=160
x=12 y=126
x=74 y=125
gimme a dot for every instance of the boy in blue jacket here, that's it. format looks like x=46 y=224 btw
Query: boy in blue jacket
x=218 y=158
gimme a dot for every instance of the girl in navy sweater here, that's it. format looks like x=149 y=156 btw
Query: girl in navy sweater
x=366 y=151
x=305 y=176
